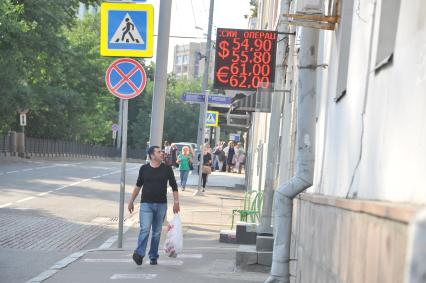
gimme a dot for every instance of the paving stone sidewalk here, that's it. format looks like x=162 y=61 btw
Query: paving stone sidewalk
x=203 y=259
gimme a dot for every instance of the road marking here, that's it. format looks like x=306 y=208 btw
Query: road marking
x=170 y=262
x=43 y=276
x=6 y=205
x=109 y=260
x=69 y=259
x=25 y=170
x=11 y=172
x=190 y=256
x=134 y=276
x=60 y=188
x=45 y=193
x=25 y=199
x=44 y=167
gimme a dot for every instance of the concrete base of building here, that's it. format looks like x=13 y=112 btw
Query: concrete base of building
x=342 y=240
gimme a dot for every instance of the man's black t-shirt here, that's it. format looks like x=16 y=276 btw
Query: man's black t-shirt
x=154 y=182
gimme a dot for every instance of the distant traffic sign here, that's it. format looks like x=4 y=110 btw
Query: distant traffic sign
x=125 y=78
x=23 y=119
x=127 y=29
x=194 y=97
x=234 y=137
x=212 y=118
x=115 y=127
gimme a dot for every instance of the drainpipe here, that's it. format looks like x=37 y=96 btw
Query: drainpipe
x=305 y=155
x=264 y=227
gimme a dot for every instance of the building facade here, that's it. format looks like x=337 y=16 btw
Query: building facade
x=189 y=61
x=353 y=220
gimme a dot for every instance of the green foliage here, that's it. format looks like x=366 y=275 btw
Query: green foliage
x=37 y=62
x=50 y=63
x=253 y=9
x=180 y=119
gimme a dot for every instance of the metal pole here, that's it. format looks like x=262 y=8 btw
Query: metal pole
x=201 y=118
x=160 y=80
x=120 y=123
x=200 y=166
x=123 y=173
x=203 y=110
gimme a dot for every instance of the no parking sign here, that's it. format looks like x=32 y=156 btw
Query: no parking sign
x=125 y=78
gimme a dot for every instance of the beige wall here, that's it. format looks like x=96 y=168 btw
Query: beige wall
x=340 y=240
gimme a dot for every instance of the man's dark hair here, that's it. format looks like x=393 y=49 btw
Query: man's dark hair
x=151 y=150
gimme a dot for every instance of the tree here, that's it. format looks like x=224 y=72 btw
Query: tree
x=33 y=66
x=50 y=63
x=180 y=119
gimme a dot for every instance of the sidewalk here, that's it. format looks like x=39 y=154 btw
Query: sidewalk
x=203 y=259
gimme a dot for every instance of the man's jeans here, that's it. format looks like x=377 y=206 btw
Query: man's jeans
x=183 y=177
x=151 y=214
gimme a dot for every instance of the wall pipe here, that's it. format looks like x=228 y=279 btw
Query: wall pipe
x=305 y=156
x=265 y=220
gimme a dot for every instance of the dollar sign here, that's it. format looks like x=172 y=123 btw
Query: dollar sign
x=224 y=52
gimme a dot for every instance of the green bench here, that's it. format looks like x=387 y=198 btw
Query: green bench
x=253 y=201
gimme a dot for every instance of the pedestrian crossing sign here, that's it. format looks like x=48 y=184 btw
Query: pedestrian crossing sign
x=127 y=30
x=212 y=118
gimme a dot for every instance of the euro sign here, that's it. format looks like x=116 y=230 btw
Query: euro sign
x=222 y=74
x=224 y=52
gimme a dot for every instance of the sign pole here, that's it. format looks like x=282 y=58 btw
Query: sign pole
x=205 y=81
x=123 y=173
x=203 y=112
x=120 y=123
x=200 y=166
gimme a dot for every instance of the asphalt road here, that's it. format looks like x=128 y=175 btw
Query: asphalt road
x=50 y=209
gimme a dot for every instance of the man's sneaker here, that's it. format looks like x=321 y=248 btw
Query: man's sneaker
x=137 y=258
x=153 y=261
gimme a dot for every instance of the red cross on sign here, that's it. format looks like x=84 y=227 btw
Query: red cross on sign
x=125 y=78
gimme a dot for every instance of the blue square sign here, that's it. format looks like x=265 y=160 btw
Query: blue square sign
x=127 y=30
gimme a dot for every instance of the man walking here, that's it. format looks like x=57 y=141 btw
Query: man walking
x=153 y=178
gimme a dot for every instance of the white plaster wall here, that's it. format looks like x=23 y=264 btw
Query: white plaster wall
x=260 y=137
x=396 y=116
x=393 y=144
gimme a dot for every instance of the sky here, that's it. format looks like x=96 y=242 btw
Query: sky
x=189 y=14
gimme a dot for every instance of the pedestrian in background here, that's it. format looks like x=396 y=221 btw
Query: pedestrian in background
x=215 y=162
x=174 y=154
x=146 y=152
x=184 y=160
x=167 y=156
x=239 y=157
x=225 y=148
x=152 y=179
x=207 y=163
x=230 y=157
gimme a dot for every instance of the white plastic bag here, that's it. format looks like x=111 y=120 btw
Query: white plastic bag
x=174 y=239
